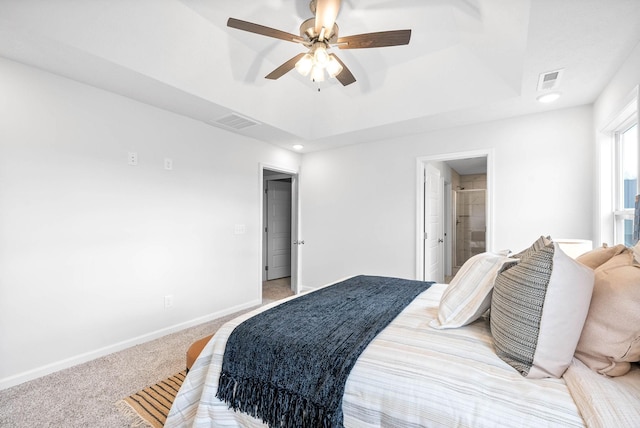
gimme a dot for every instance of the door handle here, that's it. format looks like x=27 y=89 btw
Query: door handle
x=440 y=241
x=298 y=242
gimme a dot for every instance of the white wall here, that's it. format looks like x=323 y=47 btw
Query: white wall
x=89 y=246
x=607 y=108
x=359 y=202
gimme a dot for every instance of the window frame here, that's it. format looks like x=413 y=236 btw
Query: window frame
x=620 y=213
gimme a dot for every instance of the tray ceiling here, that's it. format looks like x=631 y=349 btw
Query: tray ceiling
x=468 y=60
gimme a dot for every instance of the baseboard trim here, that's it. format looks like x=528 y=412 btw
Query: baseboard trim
x=47 y=369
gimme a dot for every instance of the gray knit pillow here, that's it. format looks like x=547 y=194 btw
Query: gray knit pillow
x=538 y=309
x=536 y=246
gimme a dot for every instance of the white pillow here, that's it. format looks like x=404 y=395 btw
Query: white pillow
x=469 y=294
x=538 y=309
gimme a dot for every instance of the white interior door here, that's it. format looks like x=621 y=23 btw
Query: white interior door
x=278 y=229
x=433 y=225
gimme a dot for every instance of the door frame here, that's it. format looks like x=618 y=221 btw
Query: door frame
x=421 y=163
x=447 y=228
x=295 y=222
x=267 y=231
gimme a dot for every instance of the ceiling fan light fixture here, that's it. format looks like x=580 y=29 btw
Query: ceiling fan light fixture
x=305 y=64
x=320 y=55
x=333 y=66
x=317 y=74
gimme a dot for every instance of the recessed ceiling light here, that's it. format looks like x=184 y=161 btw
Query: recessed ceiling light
x=548 y=98
x=298 y=147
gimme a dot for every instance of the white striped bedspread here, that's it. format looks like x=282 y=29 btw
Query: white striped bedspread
x=410 y=375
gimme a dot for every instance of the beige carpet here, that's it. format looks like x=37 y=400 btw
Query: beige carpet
x=276 y=289
x=85 y=395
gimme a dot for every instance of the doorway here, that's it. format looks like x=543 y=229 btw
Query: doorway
x=277 y=228
x=279 y=194
x=442 y=248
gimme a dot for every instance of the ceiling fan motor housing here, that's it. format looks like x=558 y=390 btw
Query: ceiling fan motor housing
x=308 y=32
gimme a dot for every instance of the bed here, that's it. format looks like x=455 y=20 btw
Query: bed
x=424 y=370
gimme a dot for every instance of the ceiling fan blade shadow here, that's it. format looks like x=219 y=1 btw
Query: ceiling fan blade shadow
x=468 y=7
x=326 y=14
x=255 y=70
x=375 y=40
x=284 y=68
x=345 y=76
x=262 y=30
x=302 y=10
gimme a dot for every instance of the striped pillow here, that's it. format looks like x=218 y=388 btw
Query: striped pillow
x=469 y=294
x=538 y=309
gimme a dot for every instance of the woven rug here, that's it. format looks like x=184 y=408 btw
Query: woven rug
x=150 y=407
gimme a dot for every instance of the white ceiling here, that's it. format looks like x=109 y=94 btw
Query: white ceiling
x=468 y=60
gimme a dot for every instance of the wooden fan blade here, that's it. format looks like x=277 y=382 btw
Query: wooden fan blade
x=375 y=40
x=345 y=77
x=326 y=14
x=284 y=68
x=262 y=30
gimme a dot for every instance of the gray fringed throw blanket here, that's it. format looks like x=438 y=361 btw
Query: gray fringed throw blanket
x=289 y=365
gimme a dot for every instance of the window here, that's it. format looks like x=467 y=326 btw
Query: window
x=626 y=180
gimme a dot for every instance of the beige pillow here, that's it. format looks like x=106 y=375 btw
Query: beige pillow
x=610 y=340
x=636 y=251
x=599 y=256
x=538 y=309
x=469 y=294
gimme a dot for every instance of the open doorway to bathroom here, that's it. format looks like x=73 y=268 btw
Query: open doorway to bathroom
x=469 y=217
x=461 y=228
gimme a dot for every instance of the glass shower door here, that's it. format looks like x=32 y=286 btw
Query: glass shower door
x=470 y=230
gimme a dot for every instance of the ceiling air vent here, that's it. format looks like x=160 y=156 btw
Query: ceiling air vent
x=235 y=121
x=549 y=80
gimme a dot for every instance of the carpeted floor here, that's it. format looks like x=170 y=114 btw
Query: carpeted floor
x=276 y=289
x=85 y=395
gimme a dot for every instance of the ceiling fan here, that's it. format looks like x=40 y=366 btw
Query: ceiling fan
x=318 y=35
